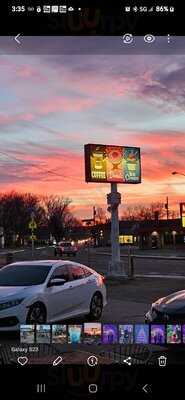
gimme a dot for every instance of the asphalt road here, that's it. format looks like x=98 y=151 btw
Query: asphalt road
x=146 y=262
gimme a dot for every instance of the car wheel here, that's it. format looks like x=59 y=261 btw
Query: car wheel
x=96 y=307
x=37 y=314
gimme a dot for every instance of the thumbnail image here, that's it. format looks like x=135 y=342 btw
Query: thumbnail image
x=59 y=334
x=92 y=333
x=126 y=334
x=157 y=334
x=173 y=333
x=141 y=334
x=27 y=333
x=183 y=333
x=110 y=334
x=74 y=334
x=43 y=334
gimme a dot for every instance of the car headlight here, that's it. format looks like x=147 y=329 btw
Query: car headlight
x=9 y=304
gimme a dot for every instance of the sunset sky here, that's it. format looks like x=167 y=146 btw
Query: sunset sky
x=50 y=106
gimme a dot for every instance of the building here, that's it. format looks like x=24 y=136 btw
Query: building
x=144 y=234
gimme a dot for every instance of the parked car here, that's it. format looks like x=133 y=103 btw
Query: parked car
x=168 y=309
x=68 y=248
x=48 y=291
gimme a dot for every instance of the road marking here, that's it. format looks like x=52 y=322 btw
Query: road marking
x=160 y=276
x=17 y=251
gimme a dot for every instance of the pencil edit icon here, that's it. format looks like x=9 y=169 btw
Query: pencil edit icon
x=57 y=361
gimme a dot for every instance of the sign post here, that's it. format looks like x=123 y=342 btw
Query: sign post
x=32 y=227
x=113 y=164
x=113 y=200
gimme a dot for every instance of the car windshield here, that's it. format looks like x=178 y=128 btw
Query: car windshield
x=24 y=275
x=66 y=244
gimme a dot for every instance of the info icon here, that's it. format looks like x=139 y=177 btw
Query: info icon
x=92 y=361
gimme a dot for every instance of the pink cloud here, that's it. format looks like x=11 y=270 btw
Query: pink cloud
x=57 y=104
x=161 y=139
x=11 y=119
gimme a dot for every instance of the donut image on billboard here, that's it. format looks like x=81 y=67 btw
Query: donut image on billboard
x=114 y=163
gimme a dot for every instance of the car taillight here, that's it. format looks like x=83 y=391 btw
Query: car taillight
x=101 y=279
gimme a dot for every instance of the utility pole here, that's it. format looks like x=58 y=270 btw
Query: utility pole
x=94 y=215
x=32 y=227
x=167 y=208
x=94 y=224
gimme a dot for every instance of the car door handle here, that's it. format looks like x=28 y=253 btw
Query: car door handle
x=71 y=287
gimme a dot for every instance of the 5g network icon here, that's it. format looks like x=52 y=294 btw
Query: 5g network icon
x=128 y=38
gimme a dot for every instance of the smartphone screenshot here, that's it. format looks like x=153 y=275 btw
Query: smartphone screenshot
x=92 y=199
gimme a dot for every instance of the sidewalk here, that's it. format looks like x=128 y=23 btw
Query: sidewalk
x=178 y=252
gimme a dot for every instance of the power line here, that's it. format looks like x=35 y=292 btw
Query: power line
x=52 y=172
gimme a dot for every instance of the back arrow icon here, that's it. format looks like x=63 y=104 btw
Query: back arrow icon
x=16 y=38
x=147 y=388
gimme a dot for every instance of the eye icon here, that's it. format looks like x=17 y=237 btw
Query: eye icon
x=149 y=38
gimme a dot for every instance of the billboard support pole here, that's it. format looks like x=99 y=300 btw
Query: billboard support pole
x=116 y=267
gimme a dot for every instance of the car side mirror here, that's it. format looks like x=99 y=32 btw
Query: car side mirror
x=56 y=282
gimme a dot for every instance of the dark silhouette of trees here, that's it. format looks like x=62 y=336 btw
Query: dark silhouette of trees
x=100 y=215
x=140 y=212
x=59 y=217
x=15 y=214
x=50 y=212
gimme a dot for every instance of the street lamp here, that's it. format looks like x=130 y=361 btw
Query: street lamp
x=177 y=173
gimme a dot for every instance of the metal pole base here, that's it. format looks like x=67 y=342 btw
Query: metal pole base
x=116 y=270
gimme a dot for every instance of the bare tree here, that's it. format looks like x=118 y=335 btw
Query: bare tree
x=15 y=215
x=174 y=214
x=59 y=217
x=100 y=215
x=141 y=212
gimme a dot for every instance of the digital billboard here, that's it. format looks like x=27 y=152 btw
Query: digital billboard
x=106 y=163
x=182 y=213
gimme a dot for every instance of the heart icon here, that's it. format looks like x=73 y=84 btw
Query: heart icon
x=22 y=360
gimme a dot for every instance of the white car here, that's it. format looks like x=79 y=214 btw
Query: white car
x=48 y=291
